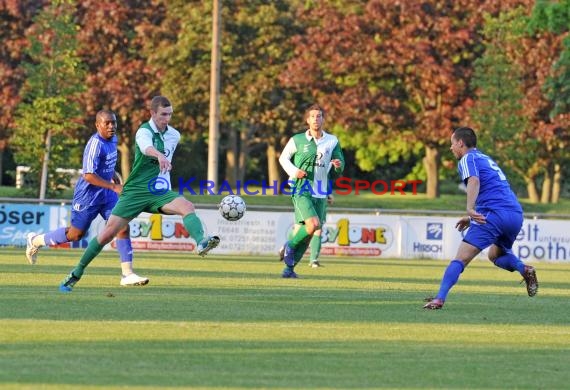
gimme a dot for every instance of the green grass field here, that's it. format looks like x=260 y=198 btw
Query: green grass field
x=230 y=322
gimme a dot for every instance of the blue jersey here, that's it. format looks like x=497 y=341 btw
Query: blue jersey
x=494 y=191
x=99 y=157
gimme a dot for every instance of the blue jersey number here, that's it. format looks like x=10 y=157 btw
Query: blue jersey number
x=496 y=168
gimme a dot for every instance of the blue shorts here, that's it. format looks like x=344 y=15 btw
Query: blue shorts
x=501 y=229
x=82 y=216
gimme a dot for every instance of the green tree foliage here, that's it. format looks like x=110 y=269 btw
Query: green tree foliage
x=48 y=114
x=549 y=55
x=523 y=61
x=554 y=16
x=255 y=111
x=498 y=111
x=179 y=52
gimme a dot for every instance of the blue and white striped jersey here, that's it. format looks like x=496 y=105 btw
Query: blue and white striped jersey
x=495 y=191
x=99 y=157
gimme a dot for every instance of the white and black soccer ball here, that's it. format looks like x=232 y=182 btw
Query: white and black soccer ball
x=232 y=207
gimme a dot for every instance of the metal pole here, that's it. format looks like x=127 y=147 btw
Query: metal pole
x=44 y=177
x=214 y=134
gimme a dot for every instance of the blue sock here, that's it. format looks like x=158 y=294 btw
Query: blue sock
x=56 y=237
x=510 y=263
x=450 y=277
x=125 y=250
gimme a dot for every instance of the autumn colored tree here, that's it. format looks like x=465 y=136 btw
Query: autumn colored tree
x=15 y=18
x=554 y=16
x=549 y=101
x=433 y=45
x=112 y=38
x=396 y=73
x=47 y=116
x=340 y=62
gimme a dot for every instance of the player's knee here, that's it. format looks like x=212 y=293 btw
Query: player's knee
x=124 y=233
x=184 y=207
x=107 y=235
x=312 y=226
x=494 y=253
x=74 y=235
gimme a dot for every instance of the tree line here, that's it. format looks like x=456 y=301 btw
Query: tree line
x=395 y=76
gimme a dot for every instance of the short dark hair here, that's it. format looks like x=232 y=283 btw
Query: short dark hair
x=312 y=107
x=159 y=102
x=103 y=114
x=467 y=135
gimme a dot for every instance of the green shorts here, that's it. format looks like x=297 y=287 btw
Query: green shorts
x=307 y=207
x=132 y=203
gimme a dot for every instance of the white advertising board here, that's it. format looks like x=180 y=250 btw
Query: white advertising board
x=429 y=237
x=263 y=233
x=437 y=237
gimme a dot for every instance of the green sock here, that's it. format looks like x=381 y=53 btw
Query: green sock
x=93 y=249
x=299 y=237
x=301 y=249
x=194 y=226
x=315 y=247
x=291 y=233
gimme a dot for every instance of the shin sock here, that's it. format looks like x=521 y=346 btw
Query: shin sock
x=301 y=249
x=54 y=237
x=93 y=249
x=194 y=226
x=315 y=247
x=125 y=249
x=299 y=237
x=510 y=263
x=450 y=277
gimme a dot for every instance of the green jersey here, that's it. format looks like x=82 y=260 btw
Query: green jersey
x=145 y=168
x=314 y=157
x=147 y=189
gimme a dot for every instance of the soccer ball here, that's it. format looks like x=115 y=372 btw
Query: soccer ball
x=232 y=207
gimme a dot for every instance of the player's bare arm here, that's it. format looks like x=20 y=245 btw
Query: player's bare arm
x=472 y=193
x=163 y=163
x=96 y=180
x=300 y=174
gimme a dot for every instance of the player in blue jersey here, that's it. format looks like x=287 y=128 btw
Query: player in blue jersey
x=494 y=217
x=96 y=193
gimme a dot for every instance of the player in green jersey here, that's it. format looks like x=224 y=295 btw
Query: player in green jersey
x=316 y=241
x=148 y=189
x=306 y=159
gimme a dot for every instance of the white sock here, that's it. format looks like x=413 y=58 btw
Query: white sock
x=39 y=240
x=126 y=268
